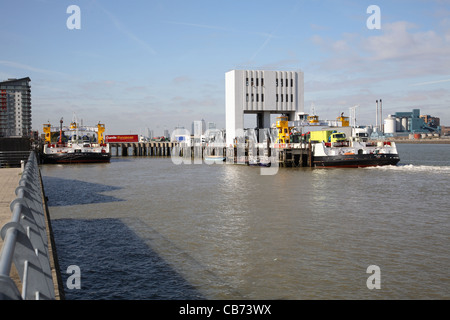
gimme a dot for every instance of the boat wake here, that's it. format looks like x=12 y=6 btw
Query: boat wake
x=414 y=168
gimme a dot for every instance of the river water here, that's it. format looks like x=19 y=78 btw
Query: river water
x=146 y=228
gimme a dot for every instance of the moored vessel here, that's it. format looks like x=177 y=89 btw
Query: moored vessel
x=332 y=147
x=355 y=154
x=75 y=144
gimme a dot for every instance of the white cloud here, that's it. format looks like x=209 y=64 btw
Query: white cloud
x=18 y=65
x=430 y=82
x=383 y=64
x=398 y=41
x=400 y=47
x=181 y=80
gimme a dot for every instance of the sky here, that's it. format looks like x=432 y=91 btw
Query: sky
x=137 y=64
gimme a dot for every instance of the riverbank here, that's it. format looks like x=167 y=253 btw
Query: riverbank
x=422 y=141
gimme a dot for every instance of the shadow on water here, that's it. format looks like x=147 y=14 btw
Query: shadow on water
x=65 y=192
x=115 y=264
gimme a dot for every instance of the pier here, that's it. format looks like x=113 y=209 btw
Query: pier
x=123 y=149
x=261 y=146
x=245 y=152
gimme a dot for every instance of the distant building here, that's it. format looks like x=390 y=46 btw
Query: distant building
x=15 y=108
x=203 y=126
x=211 y=126
x=445 y=131
x=433 y=122
x=198 y=128
x=150 y=133
x=166 y=134
x=262 y=93
x=411 y=122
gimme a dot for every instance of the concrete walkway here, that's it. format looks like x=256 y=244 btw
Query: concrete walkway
x=9 y=181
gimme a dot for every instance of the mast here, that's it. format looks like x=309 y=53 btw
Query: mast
x=60 y=130
x=376 y=116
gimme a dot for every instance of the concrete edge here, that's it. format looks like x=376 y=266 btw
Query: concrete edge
x=53 y=256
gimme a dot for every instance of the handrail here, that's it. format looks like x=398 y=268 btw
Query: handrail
x=25 y=242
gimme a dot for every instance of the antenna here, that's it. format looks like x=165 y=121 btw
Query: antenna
x=353 y=116
x=313 y=109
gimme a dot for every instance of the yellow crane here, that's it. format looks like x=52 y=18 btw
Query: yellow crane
x=284 y=130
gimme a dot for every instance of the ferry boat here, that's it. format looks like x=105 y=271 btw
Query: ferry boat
x=355 y=154
x=331 y=148
x=75 y=144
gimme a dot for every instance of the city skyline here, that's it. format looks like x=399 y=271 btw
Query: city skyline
x=162 y=64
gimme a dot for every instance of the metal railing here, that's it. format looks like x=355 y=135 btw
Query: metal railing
x=26 y=242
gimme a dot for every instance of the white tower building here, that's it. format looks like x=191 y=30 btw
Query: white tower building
x=262 y=93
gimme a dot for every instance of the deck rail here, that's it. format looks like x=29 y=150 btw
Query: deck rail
x=25 y=242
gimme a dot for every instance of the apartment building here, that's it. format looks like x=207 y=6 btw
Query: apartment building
x=15 y=108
